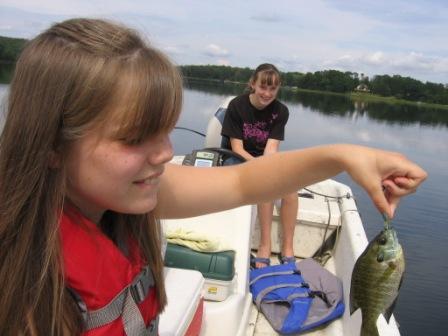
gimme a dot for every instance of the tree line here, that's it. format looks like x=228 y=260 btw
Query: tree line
x=396 y=86
x=10 y=48
x=341 y=105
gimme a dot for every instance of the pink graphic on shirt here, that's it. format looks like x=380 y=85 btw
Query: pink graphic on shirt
x=256 y=131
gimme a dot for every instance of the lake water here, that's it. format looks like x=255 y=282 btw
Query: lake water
x=420 y=134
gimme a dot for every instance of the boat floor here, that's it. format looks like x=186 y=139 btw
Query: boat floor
x=259 y=326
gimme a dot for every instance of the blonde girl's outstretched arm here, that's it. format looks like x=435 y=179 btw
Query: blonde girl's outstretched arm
x=189 y=191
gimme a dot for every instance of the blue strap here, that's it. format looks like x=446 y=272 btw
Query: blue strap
x=297 y=315
x=273 y=273
x=263 y=293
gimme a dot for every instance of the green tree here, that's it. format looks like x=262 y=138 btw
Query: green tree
x=10 y=48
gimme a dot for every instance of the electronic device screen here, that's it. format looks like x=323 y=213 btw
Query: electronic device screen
x=203 y=163
x=202 y=158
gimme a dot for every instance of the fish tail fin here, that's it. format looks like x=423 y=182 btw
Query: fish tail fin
x=368 y=328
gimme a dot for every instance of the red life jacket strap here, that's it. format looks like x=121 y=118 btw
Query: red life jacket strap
x=123 y=304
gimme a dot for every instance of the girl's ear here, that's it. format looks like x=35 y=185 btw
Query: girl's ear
x=54 y=160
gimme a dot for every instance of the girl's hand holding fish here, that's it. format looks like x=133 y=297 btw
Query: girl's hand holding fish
x=386 y=176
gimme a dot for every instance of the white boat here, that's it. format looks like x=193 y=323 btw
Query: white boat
x=327 y=213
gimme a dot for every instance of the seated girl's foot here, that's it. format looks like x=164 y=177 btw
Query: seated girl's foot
x=255 y=262
x=287 y=256
x=286 y=260
x=262 y=259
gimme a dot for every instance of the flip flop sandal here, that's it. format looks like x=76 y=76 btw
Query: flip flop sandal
x=254 y=260
x=286 y=260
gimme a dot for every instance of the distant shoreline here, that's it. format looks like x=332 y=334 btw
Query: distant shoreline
x=369 y=97
x=356 y=96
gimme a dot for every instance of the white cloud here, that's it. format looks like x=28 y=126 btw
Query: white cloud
x=379 y=62
x=376 y=58
x=441 y=65
x=172 y=50
x=223 y=62
x=297 y=35
x=6 y=27
x=214 y=50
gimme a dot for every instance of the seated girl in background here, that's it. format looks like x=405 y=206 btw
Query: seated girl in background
x=84 y=180
x=254 y=125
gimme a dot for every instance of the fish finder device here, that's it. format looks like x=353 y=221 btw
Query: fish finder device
x=202 y=158
x=211 y=157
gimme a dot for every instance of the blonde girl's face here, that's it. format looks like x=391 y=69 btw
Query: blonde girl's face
x=263 y=94
x=105 y=173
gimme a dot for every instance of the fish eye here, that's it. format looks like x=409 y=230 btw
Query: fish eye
x=382 y=241
x=380 y=257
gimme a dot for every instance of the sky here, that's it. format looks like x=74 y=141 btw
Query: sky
x=407 y=38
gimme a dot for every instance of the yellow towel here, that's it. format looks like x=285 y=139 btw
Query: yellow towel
x=196 y=241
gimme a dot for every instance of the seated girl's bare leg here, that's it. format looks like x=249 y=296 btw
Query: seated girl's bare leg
x=265 y=220
x=288 y=215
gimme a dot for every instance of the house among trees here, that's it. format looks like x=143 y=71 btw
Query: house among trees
x=362 y=88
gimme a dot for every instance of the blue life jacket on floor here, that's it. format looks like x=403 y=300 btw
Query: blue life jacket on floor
x=297 y=297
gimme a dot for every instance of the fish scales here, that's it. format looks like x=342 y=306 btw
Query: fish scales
x=376 y=280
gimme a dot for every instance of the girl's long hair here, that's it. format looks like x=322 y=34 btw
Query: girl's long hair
x=67 y=81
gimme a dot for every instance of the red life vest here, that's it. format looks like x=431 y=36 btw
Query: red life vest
x=97 y=270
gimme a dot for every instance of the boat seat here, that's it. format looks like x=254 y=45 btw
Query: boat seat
x=213 y=136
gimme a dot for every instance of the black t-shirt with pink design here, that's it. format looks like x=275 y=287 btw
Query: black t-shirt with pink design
x=254 y=127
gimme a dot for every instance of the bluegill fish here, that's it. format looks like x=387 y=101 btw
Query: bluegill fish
x=376 y=280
